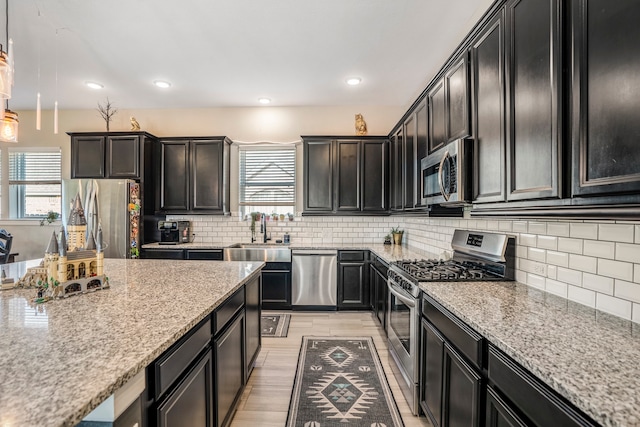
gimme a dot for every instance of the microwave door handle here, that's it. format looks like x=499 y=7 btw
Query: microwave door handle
x=441 y=176
x=409 y=302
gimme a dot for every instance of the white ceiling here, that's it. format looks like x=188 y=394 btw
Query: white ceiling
x=228 y=53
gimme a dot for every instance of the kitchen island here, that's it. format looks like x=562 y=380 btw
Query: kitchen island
x=61 y=359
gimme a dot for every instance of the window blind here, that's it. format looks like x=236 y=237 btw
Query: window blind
x=34 y=167
x=267 y=177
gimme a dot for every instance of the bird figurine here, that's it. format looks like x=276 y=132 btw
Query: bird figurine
x=361 y=125
x=134 y=123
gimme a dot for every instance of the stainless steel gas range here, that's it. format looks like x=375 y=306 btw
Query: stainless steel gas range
x=477 y=256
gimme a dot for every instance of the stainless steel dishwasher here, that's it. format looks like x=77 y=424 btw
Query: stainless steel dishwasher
x=314 y=279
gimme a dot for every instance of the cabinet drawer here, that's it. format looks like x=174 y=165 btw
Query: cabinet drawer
x=223 y=314
x=213 y=255
x=162 y=254
x=170 y=367
x=530 y=395
x=352 y=255
x=466 y=340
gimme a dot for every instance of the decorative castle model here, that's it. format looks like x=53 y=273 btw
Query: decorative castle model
x=72 y=264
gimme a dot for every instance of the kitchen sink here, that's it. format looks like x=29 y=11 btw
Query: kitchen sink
x=267 y=252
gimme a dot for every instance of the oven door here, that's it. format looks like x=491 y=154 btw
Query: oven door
x=444 y=174
x=402 y=324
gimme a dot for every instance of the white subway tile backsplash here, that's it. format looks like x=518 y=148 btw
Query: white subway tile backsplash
x=613 y=305
x=560 y=229
x=556 y=288
x=570 y=276
x=558 y=258
x=599 y=249
x=628 y=252
x=598 y=283
x=573 y=246
x=552 y=272
x=636 y=273
x=537 y=254
x=537 y=227
x=535 y=281
x=637 y=235
x=583 y=230
x=615 y=269
x=505 y=226
x=627 y=290
x=521 y=276
x=533 y=267
x=616 y=232
x=583 y=263
x=519 y=226
x=635 y=316
x=582 y=296
x=522 y=251
x=528 y=239
x=548 y=242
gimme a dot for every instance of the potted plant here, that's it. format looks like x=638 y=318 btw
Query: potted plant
x=387 y=239
x=397 y=235
x=51 y=216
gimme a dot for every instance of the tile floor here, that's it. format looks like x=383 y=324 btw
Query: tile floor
x=265 y=401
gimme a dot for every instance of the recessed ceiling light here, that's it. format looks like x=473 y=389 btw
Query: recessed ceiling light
x=264 y=101
x=162 y=84
x=353 y=81
x=94 y=85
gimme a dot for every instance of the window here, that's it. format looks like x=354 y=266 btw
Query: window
x=267 y=180
x=34 y=182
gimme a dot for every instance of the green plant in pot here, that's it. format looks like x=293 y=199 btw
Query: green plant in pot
x=51 y=216
x=397 y=235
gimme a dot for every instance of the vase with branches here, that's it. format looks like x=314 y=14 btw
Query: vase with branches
x=107 y=111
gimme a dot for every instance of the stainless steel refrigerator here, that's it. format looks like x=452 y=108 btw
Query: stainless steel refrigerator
x=112 y=203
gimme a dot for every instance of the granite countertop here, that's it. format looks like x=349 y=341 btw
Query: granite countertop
x=589 y=357
x=61 y=359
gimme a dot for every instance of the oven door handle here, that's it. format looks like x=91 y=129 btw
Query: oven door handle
x=445 y=192
x=408 y=301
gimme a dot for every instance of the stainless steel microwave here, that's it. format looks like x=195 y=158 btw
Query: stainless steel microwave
x=446 y=174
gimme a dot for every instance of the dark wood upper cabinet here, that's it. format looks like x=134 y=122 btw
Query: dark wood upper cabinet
x=487 y=87
x=422 y=145
x=396 y=167
x=437 y=117
x=375 y=174
x=410 y=165
x=123 y=156
x=87 y=156
x=194 y=175
x=606 y=97
x=348 y=163
x=318 y=175
x=534 y=103
x=456 y=82
x=345 y=175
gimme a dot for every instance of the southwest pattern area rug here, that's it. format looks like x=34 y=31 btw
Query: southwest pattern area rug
x=275 y=325
x=340 y=382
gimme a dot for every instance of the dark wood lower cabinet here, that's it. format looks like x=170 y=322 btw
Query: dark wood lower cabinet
x=353 y=283
x=229 y=370
x=499 y=413
x=191 y=403
x=276 y=286
x=378 y=290
x=253 y=340
x=461 y=389
x=431 y=373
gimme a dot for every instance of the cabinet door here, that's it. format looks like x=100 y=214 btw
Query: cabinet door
x=87 y=157
x=253 y=327
x=397 y=160
x=191 y=403
x=461 y=391
x=437 y=120
x=206 y=175
x=606 y=97
x=123 y=156
x=457 y=99
x=353 y=288
x=534 y=107
x=381 y=299
x=174 y=175
x=348 y=175
x=431 y=373
x=229 y=369
x=318 y=176
x=489 y=150
x=422 y=145
x=374 y=176
x=276 y=290
x=409 y=165
x=499 y=414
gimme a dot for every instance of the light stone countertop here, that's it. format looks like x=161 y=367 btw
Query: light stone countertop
x=589 y=357
x=61 y=359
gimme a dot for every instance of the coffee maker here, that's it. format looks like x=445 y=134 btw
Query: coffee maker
x=174 y=232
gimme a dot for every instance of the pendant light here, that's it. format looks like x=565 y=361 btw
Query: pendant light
x=9 y=124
